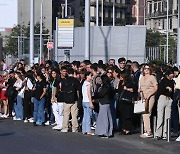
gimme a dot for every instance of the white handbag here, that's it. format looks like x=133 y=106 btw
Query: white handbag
x=140 y=106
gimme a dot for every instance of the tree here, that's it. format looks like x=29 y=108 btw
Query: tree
x=153 y=38
x=11 y=46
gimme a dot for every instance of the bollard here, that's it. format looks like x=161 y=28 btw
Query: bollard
x=168 y=131
x=142 y=125
x=154 y=126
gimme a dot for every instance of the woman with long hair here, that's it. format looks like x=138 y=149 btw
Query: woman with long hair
x=148 y=88
x=39 y=99
x=104 y=124
x=18 y=90
x=87 y=104
x=125 y=102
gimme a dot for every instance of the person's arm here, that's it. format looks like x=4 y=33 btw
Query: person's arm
x=44 y=93
x=89 y=96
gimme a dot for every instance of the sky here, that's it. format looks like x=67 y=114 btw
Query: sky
x=8 y=13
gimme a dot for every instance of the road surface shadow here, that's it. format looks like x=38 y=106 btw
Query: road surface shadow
x=7 y=134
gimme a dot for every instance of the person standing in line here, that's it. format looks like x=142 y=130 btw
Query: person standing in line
x=71 y=88
x=18 y=104
x=125 y=102
x=57 y=98
x=148 y=88
x=39 y=99
x=165 y=93
x=104 y=124
x=87 y=104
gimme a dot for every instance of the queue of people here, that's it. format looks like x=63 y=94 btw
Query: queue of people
x=82 y=96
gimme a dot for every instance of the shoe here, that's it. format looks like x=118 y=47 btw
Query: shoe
x=34 y=123
x=93 y=128
x=146 y=135
x=53 y=124
x=4 y=116
x=31 y=120
x=39 y=123
x=157 y=138
x=91 y=134
x=103 y=136
x=0 y=114
x=17 y=119
x=64 y=131
x=164 y=138
x=13 y=114
x=74 y=131
x=47 y=123
x=25 y=121
x=178 y=139
x=57 y=127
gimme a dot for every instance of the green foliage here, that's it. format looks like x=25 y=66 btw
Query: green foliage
x=11 y=46
x=78 y=23
x=153 y=39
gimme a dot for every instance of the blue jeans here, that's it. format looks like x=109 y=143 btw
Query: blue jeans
x=86 y=123
x=18 y=107
x=175 y=116
x=39 y=115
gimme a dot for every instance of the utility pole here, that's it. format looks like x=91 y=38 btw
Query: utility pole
x=41 y=39
x=66 y=8
x=167 y=33
x=178 y=47
x=114 y=13
x=87 y=29
x=97 y=12
x=31 y=57
x=102 y=12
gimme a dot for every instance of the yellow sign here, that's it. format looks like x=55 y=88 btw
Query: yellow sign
x=65 y=23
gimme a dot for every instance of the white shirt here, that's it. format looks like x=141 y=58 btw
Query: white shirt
x=18 y=84
x=85 y=91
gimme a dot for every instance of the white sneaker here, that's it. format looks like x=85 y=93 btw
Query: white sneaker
x=47 y=123
x=1 y=115
x=18 y=119
x=64 y=131
x=178 y=139
x=31 y=120
x=13 y=114
x=25 y=121
x=57 y=127
x=53 y=124
x=14 y=118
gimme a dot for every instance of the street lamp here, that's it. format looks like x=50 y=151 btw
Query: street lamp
x=41 y=23
x=178 y=47
x=31 y=57
x=167 y=32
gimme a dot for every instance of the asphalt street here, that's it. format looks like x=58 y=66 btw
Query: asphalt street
x=17 y=137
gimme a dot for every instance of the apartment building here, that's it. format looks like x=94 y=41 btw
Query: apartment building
x=156 y=15
x=76 y=8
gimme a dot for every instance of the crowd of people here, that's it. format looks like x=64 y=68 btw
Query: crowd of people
x=95 y=98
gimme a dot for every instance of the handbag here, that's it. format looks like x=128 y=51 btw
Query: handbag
x=140 y=106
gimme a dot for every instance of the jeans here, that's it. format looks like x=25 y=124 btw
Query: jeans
x=18 y=107
x=39 y=115
x=86 y=123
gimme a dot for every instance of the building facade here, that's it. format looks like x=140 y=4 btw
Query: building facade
x=76 y=8
x=156 y=15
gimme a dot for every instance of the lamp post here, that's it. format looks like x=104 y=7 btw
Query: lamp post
x=102 y=12
x=66 y=8
x=97 y=12
x=114 y=13
x=167 y=34
x=87 y=29
x=31 y=57
x=178 y=47
x=41 y=24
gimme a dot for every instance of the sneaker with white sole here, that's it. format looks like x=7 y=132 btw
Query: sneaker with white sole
x=178 y=139
x=25 y=121
x=47 y=123
x=64 y=131
x=57 y=127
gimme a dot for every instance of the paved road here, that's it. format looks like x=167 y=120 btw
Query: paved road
x=19 y=138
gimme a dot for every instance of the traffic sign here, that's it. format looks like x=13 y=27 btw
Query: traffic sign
x=50 y=45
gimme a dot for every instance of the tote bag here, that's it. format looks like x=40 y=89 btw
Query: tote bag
x=140 y=106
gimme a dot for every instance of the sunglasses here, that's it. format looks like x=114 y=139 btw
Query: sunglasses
x=146 y=68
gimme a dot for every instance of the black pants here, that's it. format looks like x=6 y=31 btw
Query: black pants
x=125 y=112
x=10 y=105
x=28 y=105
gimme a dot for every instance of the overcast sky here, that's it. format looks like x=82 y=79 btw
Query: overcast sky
x=8 y=13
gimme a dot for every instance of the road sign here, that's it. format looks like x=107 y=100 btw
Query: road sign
x=50 y=45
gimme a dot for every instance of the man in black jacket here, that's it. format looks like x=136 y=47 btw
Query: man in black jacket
x=71 y=95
